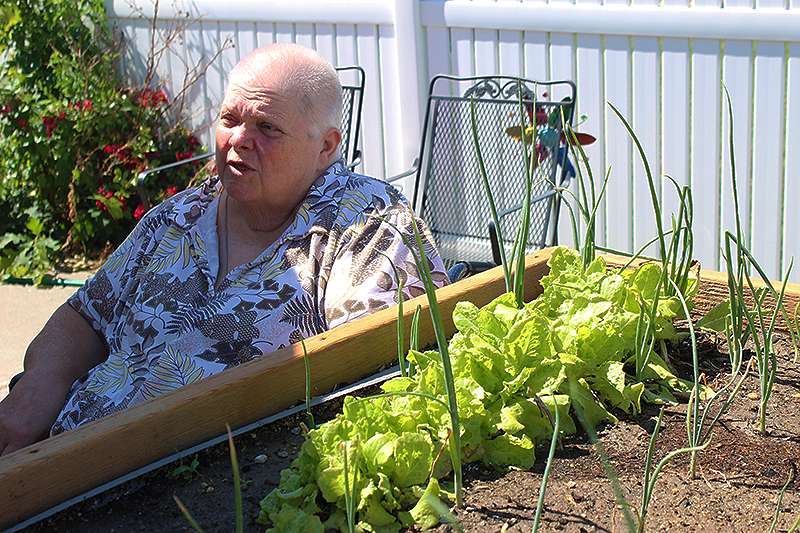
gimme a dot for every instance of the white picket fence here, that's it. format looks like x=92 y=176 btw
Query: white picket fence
x=661 y=63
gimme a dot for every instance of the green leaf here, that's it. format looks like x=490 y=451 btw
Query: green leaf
x=714 y=320
x=35 y=226
x=510 y=451
x=424 y=513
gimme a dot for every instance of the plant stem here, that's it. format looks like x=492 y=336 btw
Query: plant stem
x=441 y=340
x=546 y=474
x=307 y=364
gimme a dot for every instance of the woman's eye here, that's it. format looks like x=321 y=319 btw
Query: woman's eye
x=269 y=127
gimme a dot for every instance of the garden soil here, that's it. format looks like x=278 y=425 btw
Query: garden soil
x=738 y=478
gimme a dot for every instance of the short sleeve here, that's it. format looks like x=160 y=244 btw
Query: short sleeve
x=364 y=275
x=99 y=300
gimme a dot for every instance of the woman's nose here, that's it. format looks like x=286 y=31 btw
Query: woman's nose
x=241 y=137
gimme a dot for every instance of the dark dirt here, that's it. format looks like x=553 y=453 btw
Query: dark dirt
x=738 y=478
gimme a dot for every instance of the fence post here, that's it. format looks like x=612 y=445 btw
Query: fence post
x=412 y=69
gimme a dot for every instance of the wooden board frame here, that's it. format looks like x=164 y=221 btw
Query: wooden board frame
x=46 y=473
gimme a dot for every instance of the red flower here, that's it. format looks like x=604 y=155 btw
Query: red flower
x=49 y=125
x=5 y=109
x=87 y=105
x=193 y=142
x=158 y=97
x=171 y=191
x=62 y=115
x=22 y=123
x=138 y=213
x=180 y=156
x=151 y=98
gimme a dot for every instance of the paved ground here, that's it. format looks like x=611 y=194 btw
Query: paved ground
x=23 y=311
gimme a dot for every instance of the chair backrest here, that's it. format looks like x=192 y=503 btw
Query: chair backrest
x=449 y=192
x=352 y=80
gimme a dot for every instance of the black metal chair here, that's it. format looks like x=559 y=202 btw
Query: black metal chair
x=449 y=193
x=352 y=79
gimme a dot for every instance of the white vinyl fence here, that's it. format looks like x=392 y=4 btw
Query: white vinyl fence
x=661 y=63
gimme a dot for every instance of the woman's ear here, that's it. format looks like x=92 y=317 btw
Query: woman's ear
x=331 y=139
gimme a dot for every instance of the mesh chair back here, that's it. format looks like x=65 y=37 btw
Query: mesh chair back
x=352 y=80
x=449 y=192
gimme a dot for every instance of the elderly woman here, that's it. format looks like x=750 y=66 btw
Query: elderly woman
x=284 y=243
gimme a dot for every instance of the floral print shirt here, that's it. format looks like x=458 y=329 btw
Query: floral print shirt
x=166 y=325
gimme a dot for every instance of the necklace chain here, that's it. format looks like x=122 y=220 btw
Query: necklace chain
x=224 y=264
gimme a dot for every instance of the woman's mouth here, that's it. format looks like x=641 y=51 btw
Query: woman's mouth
x=239 y=166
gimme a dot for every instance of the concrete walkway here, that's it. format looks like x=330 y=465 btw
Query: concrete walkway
x=23 y=312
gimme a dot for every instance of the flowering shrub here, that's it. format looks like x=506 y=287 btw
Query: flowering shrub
x=74 y=136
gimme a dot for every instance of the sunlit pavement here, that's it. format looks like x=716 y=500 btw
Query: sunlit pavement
x=23 y=311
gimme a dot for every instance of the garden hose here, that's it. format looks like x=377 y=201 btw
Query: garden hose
x=47 y=281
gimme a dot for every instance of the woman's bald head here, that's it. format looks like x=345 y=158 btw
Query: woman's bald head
x=300 y=72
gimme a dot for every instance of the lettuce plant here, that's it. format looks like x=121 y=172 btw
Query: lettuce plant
x=572 y=348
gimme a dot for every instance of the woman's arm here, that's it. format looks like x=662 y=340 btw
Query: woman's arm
x=66 y=349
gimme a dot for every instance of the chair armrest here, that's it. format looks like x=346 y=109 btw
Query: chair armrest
x=356 y=160
x=406 y=173
x=140 y=179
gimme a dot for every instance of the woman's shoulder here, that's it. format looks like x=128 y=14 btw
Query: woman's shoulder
x=185 y=207
x=380 y=195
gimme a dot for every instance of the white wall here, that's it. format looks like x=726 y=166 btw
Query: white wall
x=661 y=63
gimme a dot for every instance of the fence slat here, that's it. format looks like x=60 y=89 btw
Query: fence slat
x=591 y=103
x=284 y=32
x=247 y=38
x=265 y=33
x=705 y=143
x=737 y=74
x=326 y=42
x=392 y=102
x=646 y=124
x=510 y=52
x=768 y=155
x=215 y=76
x=304 y=34
x=486 y=53
x=618 y=147
x=675 y=120
x=371 y=130
x=562 y=68
x=791 y=208
x=535 y=52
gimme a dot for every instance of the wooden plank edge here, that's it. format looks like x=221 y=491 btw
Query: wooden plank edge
x=714 y=289
x=43 y=474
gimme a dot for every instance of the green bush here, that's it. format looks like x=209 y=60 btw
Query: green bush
x=73 y=136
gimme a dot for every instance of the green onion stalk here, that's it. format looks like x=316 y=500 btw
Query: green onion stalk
x=779 y=505
x=761 y=333
x=350 y=489
x=651 y=476
x=657 y=210
x=546 y=474
x=699 y=428
x=307 y=365
x=608 y=468
x=489 y=196
x=588 y=205
x=401 y=325
x=421 y=261
x=237 y=494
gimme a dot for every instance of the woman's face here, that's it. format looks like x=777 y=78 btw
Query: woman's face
x=267 y=151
